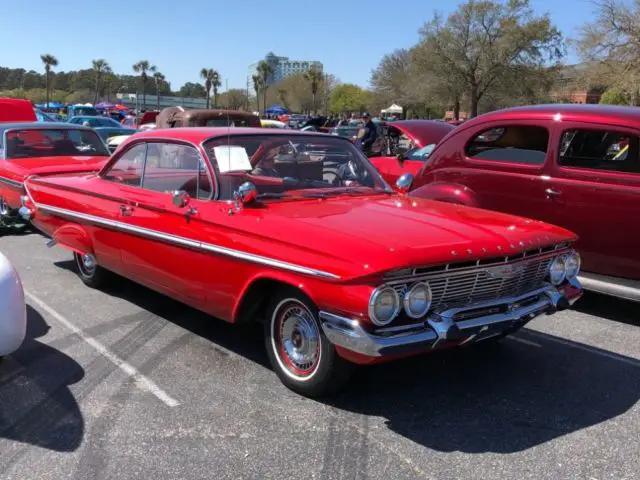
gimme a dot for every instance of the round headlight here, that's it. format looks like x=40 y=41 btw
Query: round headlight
x=572 y=265
x=383 y=306
x=417 y=300
x=557 y=271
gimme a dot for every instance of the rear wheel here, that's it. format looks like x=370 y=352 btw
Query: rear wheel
x=300 y=353
x=89 y=271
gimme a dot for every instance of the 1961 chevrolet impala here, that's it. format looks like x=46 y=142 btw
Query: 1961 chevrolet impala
x=300 y=231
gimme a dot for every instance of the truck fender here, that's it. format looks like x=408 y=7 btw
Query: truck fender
x=74 y=238
x=447 y=192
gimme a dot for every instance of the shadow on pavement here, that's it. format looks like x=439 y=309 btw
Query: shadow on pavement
x=611 y=308
x=496 y=397
x=36 y=404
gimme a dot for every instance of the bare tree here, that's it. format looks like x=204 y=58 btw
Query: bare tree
x=314 y=77
x=158 y=78
x=143 y=67
x=100 y=67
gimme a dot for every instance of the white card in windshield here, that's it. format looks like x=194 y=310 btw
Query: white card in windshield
x=232 y=158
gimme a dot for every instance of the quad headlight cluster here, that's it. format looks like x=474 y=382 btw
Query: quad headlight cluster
x=385 y=303
x=564 y=267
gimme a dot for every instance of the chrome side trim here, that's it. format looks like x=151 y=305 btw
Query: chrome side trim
x=615 y=286
x=185 y=242
x=11 y=183
x=441 y=327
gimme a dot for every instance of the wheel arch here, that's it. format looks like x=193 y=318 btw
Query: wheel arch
x=73 y=237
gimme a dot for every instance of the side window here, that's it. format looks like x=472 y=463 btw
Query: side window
x=510 y=144
x=128 y=168
x=172 y=166
x=599 y=150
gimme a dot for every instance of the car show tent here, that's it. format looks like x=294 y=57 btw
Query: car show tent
x=392 y=109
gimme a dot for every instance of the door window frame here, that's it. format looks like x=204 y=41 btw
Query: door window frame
x=568 y=172
x=473 y=132
x=203 y=160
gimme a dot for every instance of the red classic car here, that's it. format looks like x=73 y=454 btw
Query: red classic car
x=42 y=149
x=16 y=110
x=409 y=143
x=300 y=231
x=572 y=165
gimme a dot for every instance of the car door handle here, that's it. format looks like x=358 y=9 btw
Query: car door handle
x=126 y=210
x=552 y=192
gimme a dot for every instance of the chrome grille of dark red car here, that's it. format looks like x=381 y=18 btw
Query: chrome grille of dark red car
x=461 y=284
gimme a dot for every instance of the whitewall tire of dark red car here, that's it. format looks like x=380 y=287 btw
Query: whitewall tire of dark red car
x=299 y=352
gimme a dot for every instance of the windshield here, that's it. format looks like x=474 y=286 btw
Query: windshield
x=292 y=165
x=420 y=153
x=78 y=111
x=94 y=122
x=345 y=132
x=53 y=143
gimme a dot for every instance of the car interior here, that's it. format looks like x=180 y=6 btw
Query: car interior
x=516 y=144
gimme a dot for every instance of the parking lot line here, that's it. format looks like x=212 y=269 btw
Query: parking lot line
x=141 y=380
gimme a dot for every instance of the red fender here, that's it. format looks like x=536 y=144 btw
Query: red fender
x=73 y=237
x=447 y=192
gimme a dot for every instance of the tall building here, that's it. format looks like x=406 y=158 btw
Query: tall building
x=283 y=67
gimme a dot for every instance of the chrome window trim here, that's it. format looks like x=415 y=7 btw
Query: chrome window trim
x=58 y=127
x=186 y=242
x=11 y=183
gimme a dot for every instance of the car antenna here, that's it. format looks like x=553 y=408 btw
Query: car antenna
x=226 y=88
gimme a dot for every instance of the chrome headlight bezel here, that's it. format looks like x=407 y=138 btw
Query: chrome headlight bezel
x=375 y=296
x=560 y=272
x=572 y=271
x=406 y=301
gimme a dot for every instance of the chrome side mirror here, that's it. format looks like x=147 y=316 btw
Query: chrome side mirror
x=180 y=198
x=246 y=194
x=403 y=184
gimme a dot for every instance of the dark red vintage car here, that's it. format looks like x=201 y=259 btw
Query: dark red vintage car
x=409 y=143
x=42 y=149
x=572 y=165
x=300 y=231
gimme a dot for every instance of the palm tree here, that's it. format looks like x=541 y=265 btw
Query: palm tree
x=264 y=70
x=159 y=78
x=99 y=68
x=108 y=78
x=142 y=67
x=211 y=80
x=49 y=61
x=313 y=76
x=257 y=86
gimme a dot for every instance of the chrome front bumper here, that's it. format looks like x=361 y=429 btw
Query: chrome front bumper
x=466 y=324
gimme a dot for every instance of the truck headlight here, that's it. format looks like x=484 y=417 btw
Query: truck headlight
x=384 y=306
x=417 y=300
x=572 y=265
x=557 y=271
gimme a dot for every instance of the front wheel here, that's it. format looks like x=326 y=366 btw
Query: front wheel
x=300 y=353
x=89 y=271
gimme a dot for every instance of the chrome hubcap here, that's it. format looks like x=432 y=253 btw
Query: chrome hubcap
x=86 y=263
x=4 y=208
x=300 y=339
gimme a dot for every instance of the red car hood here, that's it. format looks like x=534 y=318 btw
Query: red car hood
x=53 y=165
x=372 y=234
x=423 y=132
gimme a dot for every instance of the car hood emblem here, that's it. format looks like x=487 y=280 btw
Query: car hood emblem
x=505 y=271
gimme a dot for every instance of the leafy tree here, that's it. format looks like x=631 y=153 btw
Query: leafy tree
x=49 y=61
x=192 y=90
x=158 y=78
x=108 y=80
x=348 y=98
x=282 y=97
x=314 y=77
x=211 y=80
x=234 y=98
x=142 y=67
x=99 y=67
x=483 y=42
x=614 y=96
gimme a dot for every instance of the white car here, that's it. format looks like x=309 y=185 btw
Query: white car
x=13 y=310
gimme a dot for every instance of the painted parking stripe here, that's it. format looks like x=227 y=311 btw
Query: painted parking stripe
x=141 y=380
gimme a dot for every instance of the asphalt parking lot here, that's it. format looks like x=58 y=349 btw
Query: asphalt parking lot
x=129 y=384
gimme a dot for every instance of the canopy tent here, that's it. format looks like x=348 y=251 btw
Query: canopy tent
x=393 y=109
x=104 y=105
x=276 y=109
x=120 y=107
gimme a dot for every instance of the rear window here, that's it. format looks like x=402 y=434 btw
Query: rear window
x=600 y=150
x=225 y=122
x=37 y=143
x=519 y=144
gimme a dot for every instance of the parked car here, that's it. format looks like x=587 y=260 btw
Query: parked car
x=106 y=127
x=572 y=165
x=300 y=230
x=138 y=121
x=407 y=145
x=13 y=320
x=42 y=149
x=81 y=111
x=272 y=124
x=175 y=117
x=16 y=110
x=44 y=116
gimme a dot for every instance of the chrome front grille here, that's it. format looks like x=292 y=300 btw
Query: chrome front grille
x=454 y=285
